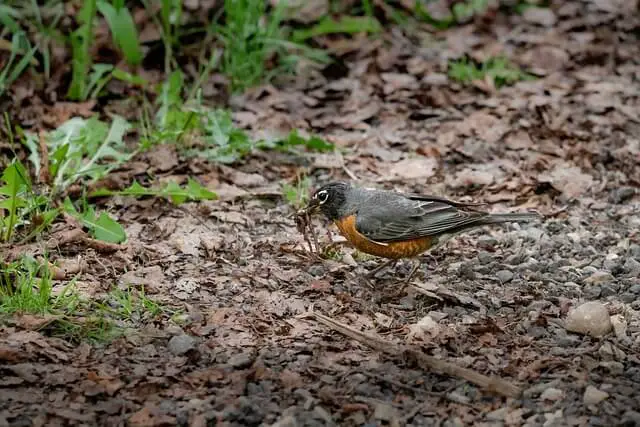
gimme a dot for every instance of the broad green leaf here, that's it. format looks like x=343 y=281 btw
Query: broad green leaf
x=123 y=31
x=107 y=229
x=102 y=227
x=172 y=191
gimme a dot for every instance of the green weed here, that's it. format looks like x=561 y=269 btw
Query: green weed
x=130 y=305
x=173 y=192
x=499 y=70
x=22 y=53
x=81 y=150
x=252 y=37
x=297 y=195
x=345 y=24
x=81 y=40
x=21 y=208
x=123 y=29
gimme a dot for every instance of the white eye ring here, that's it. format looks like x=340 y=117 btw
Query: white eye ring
x=322 y=196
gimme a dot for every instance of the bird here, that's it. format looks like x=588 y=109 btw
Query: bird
x=396 y=225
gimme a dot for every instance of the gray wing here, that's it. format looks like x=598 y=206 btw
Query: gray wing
x=406 y=219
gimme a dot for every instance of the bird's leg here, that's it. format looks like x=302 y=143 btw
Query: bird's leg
x=416 y=265
x=382 y=266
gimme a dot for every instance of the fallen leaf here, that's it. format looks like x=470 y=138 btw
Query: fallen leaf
x=570 y=180
x=413 y=168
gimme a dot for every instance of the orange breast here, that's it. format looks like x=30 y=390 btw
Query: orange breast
x=392 y=250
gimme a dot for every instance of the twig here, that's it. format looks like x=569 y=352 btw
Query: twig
x=492 y=384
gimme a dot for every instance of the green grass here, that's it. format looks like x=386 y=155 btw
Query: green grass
x=26 y=288
x=498 y=69
x=252 y=38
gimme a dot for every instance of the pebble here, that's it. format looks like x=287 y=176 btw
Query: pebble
x=384 y=412
x=316 y=270
x=590 y=318
x=348 y=259
x=497 y=415
x=619 y=326
x=621 y=194
x=552 y=394
x=628 y=297
x=486 y=242
x=286 y=421
x=599 y=278
x=180 y=344
x=635 y=289
x=632 y=266
x=607 y=291
x=240 y=360
x=485 y=257
x=592 y=292
x=323 y=414
x=504 y=276
x=593 y=396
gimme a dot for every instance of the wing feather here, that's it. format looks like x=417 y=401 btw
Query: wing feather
x=412 y=218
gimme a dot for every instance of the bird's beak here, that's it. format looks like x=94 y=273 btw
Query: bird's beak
x=313 y=205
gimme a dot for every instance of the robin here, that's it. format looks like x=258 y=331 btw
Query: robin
x=395 y=225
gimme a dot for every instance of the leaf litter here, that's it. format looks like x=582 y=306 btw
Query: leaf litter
x=566 y=144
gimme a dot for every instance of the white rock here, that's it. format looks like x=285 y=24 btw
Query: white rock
x=424 y=329
x=552 y=394
x=593 y=396
x=590 y=318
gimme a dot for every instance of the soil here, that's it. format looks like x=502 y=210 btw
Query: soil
x=244 y=351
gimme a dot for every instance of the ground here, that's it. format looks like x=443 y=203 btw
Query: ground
x=243 y=349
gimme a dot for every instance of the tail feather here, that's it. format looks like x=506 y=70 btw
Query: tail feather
x=510 y=217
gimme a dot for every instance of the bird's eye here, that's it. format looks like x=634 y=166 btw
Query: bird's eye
x=322 y=196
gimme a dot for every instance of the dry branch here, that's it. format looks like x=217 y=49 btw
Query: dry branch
x=492 y=384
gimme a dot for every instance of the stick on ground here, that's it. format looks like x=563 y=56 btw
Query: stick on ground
x=492 y=384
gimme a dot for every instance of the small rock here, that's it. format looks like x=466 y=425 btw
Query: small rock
x=592 y=292
x=590 y=318
x=552 y=394
x=599 y=277
x=384 y=412
x=286 y=421
x=593 y=396
x=540 y=15
x=619 y=326
x=635 y=289
x=437 y=315
x=614 y=368
x=485 y=257
x=628 y=297
x=504 y=276
x=497 y=415
x=607 y=291
x=180 y=344
x=348 y=259
x=424 y=329
x=486 y=242
x=323 y=414
x=240 y=360
x=621 y=194
x=316 y=270
x=632 y=266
